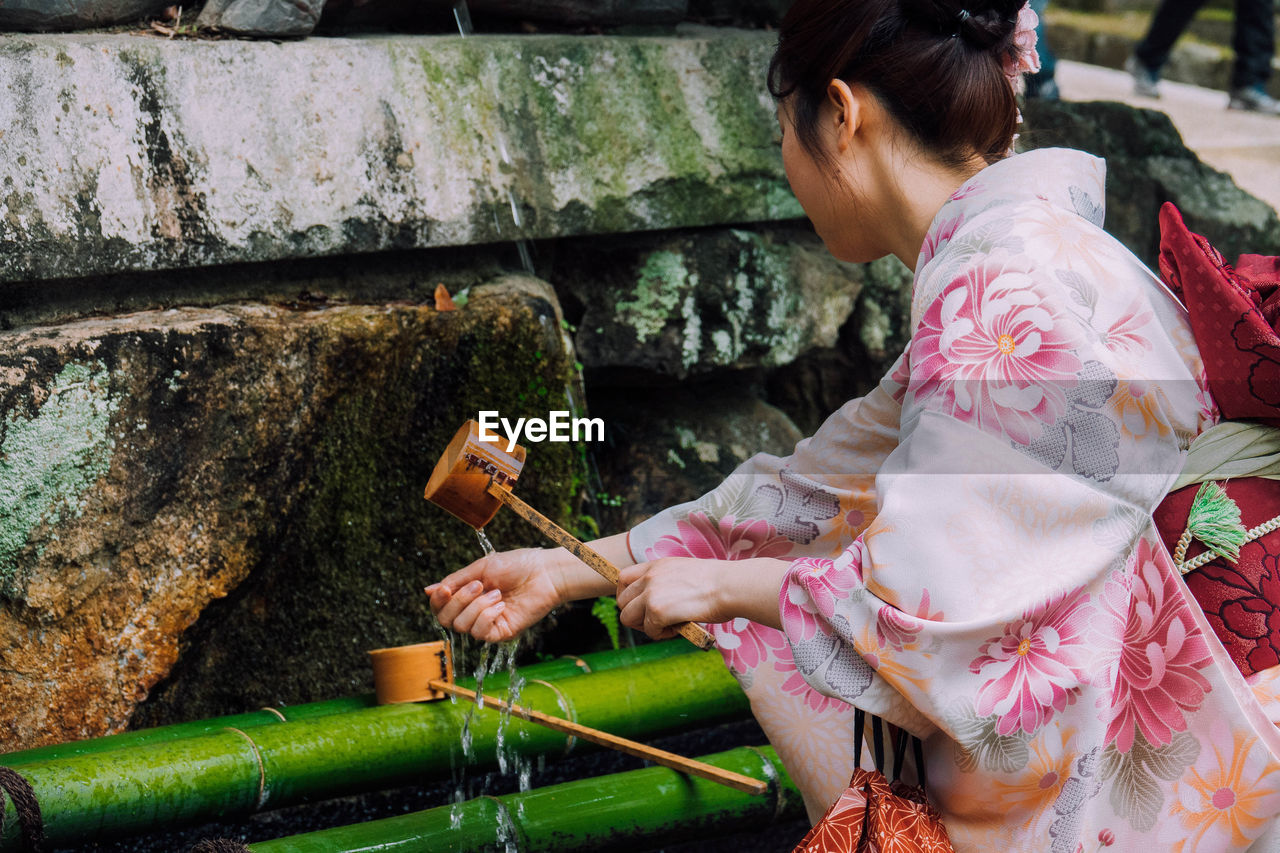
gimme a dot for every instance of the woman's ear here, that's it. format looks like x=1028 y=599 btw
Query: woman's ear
x=848 y=113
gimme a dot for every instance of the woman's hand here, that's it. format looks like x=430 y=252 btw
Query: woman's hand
x=655 y=597
x=500 y=595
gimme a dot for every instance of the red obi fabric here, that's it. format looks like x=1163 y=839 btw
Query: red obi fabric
x=1242 y=601
x=1235 y=316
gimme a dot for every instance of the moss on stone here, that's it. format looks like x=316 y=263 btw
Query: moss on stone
x=660 y=285
x=49 y=461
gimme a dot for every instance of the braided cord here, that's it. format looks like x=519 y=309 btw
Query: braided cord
x=1208 y=556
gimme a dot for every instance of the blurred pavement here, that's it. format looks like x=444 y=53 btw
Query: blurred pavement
x=1245 y=145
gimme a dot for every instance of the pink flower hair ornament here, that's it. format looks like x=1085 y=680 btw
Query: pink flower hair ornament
x=1024 y=59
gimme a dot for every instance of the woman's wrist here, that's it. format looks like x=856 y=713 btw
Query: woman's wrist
x=751 y=591
x=575 y=580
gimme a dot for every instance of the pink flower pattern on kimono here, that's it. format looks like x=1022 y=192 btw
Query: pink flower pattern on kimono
x=995 y=351
x=938 y=235
x=897 y=629
x=1125 y=335
x=746 y=645
x=700 y=536
x=1209 y=414
x=970 y=188
x=1154 y=669
x=812 y=591
x=1037 y=666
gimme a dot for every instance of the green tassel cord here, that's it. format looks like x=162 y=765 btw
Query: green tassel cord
x=1215 y=520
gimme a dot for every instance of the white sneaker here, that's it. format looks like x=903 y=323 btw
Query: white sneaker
x=1254 y=99
x=1146 y=83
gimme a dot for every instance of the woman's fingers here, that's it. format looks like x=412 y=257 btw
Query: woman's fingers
x=441 y=592
x=458 y=602
x=491 y=625
x=629 y=583
x=631 y=574
x=644 y=619
x=631 y=614
x=637 y=614
x=466 y=620
x=438 y=595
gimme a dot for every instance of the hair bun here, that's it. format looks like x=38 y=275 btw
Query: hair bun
x=985 y=24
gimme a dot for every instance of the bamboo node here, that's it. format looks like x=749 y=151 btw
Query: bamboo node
x=262 y=770
x=570 y=714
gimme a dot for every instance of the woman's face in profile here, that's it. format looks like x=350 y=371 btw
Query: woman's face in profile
x=824 y=189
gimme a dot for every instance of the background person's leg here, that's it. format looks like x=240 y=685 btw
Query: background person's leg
x=1254 y=42
x=1167 y=24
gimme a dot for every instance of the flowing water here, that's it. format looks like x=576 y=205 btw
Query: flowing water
x=462 y=16
x=485 y=544
x=494 y=657
x=505 y=657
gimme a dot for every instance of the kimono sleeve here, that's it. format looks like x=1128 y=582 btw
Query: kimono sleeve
x=812 y=502
x=1019 y=490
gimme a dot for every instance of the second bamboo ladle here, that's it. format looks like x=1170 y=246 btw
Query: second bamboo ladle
x=473 y=480
x=424 y=672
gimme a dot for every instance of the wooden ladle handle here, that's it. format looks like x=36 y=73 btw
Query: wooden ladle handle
x=659 y=756
x=691 y=631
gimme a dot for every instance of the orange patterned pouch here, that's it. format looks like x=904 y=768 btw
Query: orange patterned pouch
x=874 y=815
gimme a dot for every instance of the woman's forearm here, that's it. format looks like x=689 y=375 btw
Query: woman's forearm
x=577 y=580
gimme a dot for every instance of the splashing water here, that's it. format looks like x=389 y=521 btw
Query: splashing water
x=455 y=809
x=507 y=832
x=484 y=542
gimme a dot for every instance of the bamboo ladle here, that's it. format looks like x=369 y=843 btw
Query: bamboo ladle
x=473 y=480
x=424 y=672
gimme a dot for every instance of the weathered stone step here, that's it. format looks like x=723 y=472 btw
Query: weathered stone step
x=125 y=152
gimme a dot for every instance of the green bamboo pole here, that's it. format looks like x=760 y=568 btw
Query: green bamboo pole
x=234 y=773
x=548 y=670
x=613 y=812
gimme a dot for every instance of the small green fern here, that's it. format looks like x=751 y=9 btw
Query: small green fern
x=606 y=610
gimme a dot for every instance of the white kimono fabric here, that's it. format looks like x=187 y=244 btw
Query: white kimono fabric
x=974 y=554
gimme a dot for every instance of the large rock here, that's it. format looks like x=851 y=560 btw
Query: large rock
x=49 y=15
x=1147 y=165
x=123 y=152
x=257 y=468
x=680 y=305
x=262 y=18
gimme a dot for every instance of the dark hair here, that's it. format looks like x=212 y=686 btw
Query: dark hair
x=935 y=65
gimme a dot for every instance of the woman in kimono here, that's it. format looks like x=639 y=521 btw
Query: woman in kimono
x=967 y=551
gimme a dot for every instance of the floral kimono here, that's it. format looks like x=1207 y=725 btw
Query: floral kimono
x=974 y=557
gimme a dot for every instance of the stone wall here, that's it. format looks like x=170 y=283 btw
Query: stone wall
x=224 y=377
